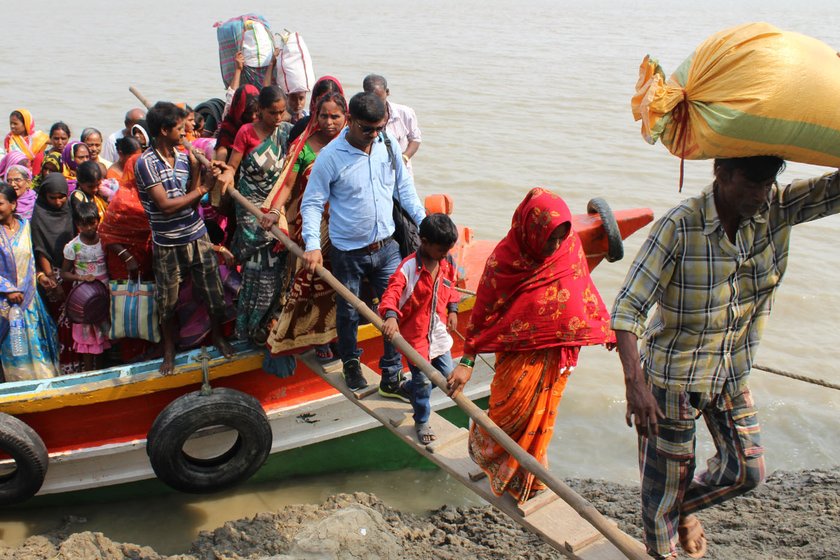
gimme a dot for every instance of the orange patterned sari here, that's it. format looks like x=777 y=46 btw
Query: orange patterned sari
x=535 y=312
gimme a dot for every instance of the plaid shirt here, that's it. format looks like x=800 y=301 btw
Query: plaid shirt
x=713 y=295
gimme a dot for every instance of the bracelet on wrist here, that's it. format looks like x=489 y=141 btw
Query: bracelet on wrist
x=467 y=362
x=275 y=211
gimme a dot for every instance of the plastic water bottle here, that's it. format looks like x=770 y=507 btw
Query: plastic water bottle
x=17 y=332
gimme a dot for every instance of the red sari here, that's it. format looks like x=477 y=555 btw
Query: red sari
x=535 y=313
x=126 y=223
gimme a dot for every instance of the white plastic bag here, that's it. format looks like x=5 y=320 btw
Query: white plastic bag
x=257 y=44
x=294 y=66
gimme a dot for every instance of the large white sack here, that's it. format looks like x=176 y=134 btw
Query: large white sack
x=294 y=66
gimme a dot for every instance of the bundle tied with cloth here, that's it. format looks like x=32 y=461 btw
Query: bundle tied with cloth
x=250 y=34
x=751 y=90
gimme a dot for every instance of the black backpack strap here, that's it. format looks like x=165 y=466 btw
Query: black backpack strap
x=391 y=157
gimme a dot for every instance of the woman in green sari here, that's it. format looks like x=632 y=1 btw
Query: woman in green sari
x=258 y=153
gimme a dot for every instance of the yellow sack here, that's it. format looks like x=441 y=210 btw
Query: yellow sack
x=747 y=91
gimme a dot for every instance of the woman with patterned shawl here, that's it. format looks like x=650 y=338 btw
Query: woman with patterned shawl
x=258 y=153
x=18 y=285
x=308 y=314
x=23 y=137
x=535 y=307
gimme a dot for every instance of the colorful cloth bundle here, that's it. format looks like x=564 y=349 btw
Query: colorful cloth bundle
x=746 y=91
x=251 y=34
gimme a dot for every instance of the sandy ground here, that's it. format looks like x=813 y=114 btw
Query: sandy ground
x=793 y=515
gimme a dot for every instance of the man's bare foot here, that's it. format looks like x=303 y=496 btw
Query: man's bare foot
x=692 y=537
x=223 y=345
x=167 y=366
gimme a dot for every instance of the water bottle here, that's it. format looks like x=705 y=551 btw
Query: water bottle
x=17 y=332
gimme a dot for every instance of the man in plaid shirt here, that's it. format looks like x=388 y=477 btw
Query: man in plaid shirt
x=712 y=264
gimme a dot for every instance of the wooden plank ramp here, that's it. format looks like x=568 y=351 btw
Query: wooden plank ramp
x=554 y=521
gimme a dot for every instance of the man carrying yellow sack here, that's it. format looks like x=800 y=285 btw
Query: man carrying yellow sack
x=712 y=264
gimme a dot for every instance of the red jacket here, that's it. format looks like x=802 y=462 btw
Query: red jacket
x=413 y=295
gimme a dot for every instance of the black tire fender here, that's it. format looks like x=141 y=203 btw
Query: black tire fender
x=27 y=450
x=192 y=412
x=615 y=244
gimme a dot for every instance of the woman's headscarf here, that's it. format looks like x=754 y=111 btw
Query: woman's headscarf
x=526 y=301
x=25 y=201
x=298 y=143
x=52 y=228
x=143 y=128
x=53 y=159
x=10 y=159
x=233 y=121
x=32 y=144
x=68 y=154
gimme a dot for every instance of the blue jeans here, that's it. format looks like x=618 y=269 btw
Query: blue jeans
x=421 y=387
x=350 y=267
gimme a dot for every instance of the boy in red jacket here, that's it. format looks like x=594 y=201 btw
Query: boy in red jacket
x=421 y=303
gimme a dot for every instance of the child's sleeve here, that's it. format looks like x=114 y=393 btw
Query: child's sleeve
x=70 y=252
x=389 y=303
x=454 y=296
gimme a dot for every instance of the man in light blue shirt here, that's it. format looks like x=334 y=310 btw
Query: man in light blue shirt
x=359 y=175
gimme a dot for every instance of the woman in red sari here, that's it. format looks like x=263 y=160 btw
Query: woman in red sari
x=535 y=307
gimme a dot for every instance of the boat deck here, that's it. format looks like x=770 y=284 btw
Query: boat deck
x=546 y=515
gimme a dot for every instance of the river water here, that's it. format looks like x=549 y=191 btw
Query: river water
x=509 y=96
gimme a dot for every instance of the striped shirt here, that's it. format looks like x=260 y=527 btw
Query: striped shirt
x=168 y=230
x=713 y=295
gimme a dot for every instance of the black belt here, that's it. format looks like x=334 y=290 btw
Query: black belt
x=373 y=247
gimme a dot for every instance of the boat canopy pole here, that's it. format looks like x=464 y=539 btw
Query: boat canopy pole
x=629 y=547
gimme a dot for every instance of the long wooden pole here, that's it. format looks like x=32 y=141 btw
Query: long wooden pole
x=629 y=547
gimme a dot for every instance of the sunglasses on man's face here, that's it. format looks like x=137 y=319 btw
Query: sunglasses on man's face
x=368 y=129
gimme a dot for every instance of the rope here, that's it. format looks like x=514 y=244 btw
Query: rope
x=681 y=118
x=805 y=378
x=479 y=355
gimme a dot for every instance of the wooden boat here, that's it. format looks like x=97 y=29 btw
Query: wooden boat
x=98 y=435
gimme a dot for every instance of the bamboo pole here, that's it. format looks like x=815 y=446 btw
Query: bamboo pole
x=629 y=547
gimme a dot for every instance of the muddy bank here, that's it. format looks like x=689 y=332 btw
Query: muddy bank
x=793 y=515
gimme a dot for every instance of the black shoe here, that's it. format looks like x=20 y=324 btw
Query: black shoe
x=397 y=391
x=353 y=377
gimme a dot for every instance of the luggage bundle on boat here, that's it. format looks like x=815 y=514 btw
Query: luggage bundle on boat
x=752 y=90
x=251 y=34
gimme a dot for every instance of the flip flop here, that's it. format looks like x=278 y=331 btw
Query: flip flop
x=425 y=434
x=692 y=537
x=323 y=353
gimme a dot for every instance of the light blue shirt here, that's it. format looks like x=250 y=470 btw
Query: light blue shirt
x=360 y=189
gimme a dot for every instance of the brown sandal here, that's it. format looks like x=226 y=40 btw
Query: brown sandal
x=692 y=537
